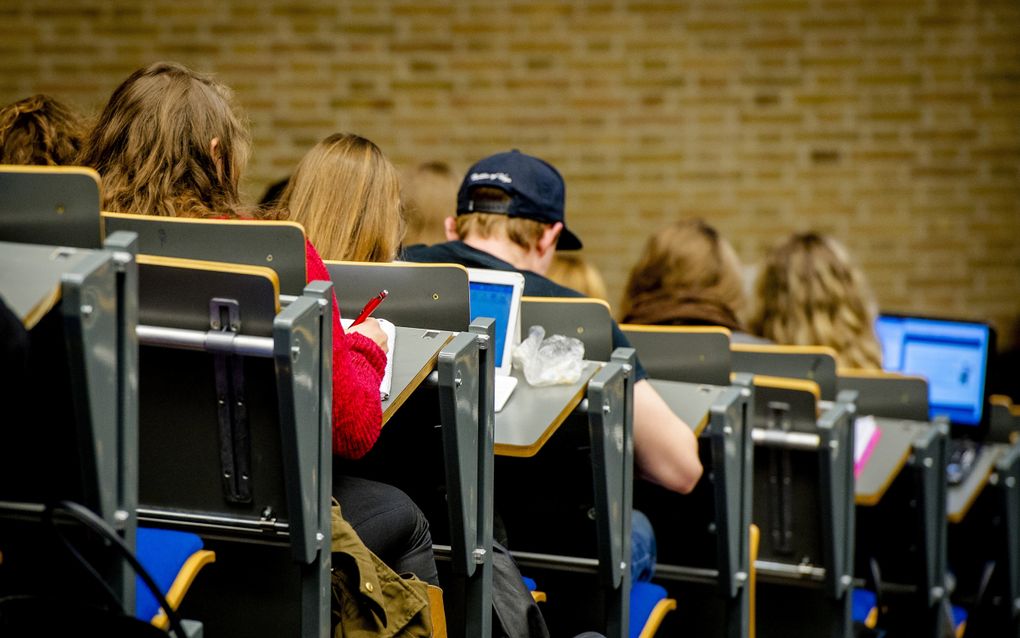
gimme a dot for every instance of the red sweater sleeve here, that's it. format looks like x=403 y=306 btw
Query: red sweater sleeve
x=358 y=367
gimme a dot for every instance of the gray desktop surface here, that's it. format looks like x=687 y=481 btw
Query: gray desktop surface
x=689 y=401
x=532 y=414
x=887 y=458
x=30 y=276
x=414 y=357
x=961 y=497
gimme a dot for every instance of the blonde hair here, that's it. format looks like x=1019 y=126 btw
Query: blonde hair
x=574 y=272
x=521 y=231
x=39 y=130
x=347 y=196
x=152 y=145
x=430 y=196
x=809 y=293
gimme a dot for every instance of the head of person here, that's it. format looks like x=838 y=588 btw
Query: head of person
x=347 y=196
x=169 y=143
x=41 y=131
x=429 y=194
x=688 y=275
x=514 y=202
x=810 y=293
x=573 y=271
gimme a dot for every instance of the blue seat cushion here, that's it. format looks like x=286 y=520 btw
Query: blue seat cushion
x=863 y=602
x=530 y=583
x=643 y=598
x=162 y=553
x=959 y=617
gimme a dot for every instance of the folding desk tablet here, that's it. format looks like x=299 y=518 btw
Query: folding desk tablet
x=432 y=296
x=54 y=205
x=235 y=440
x=583 y=451
x=279 y=246
x=695 y=354
x=714 y=552
x=814 y=363
x=703 y=536
x=1004 y=420
x=76 y=315
x=804 y=508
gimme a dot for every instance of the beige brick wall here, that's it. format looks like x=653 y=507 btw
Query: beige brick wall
x=894 y=124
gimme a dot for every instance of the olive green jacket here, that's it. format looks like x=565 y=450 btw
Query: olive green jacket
x=370 y=600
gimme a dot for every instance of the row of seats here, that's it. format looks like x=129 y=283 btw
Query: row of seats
x=222 y=317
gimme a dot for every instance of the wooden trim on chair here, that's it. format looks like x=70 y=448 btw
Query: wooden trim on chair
x=189 y=570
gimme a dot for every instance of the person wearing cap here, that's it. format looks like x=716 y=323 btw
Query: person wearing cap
x=510 y=216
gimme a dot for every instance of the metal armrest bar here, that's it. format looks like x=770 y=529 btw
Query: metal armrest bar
x=790 y=440
x=208 y=341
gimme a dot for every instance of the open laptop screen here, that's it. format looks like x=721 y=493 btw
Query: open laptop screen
x=952 y=355
x=494 y=300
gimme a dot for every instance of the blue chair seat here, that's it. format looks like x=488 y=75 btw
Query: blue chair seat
x=170 y=557
x=865 y=608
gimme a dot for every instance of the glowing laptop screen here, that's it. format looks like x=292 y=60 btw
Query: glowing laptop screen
x=952 y=355
x=493 y=300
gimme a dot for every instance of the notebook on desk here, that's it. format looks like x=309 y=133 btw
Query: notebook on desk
x=497 y=294
x=954 y=356
x=391 y=336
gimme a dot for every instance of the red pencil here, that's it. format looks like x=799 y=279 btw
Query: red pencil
x=370 y=307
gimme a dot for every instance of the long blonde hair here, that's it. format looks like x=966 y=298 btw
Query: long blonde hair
x=688 y=274
x=40 y=130
x=573 y=271
x=810 y=293
x=152 y=145
x=347 y=196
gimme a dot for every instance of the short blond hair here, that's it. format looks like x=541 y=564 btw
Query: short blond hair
x=347 y=196
x=810 y=293
x=519 y=230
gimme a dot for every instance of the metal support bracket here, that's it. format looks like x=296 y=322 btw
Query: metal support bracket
x=231 y=407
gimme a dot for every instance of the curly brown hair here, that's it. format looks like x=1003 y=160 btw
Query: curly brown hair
x=153 y=145
x=40 y=130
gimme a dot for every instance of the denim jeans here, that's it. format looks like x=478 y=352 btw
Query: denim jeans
x=642 y=548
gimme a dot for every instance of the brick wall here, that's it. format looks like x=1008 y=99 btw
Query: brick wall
x=894 y=124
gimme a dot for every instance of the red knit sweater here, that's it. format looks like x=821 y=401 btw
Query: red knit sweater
x=358 y=367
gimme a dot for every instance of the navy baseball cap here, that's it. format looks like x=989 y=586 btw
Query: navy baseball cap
x=535 y=188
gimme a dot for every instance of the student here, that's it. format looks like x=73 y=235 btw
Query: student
x=688 y=275
x=430 y=193
x=347 y=196
x=572 y=271
x=40 y=131
x=809 y=293
x=169 y=143
x=510 y=216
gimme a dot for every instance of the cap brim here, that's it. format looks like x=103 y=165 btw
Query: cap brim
x=568 y=241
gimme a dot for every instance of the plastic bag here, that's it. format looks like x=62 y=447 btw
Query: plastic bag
x=553 y=361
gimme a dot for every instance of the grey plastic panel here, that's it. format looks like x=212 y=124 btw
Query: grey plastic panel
x=679 y=354
x=585 y=319
x=817 y=367
x=432 y=296
x=57 y=206
x=276 y=245
x=886 y=396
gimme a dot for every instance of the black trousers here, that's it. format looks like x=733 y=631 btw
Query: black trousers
x=389 y=523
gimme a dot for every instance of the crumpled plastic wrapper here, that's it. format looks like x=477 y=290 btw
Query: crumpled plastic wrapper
x=557 y=360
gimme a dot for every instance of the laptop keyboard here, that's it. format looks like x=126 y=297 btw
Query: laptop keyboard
x=963 y=456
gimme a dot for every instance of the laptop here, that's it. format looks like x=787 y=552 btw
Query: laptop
x=497 y=294
x=954 y=356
